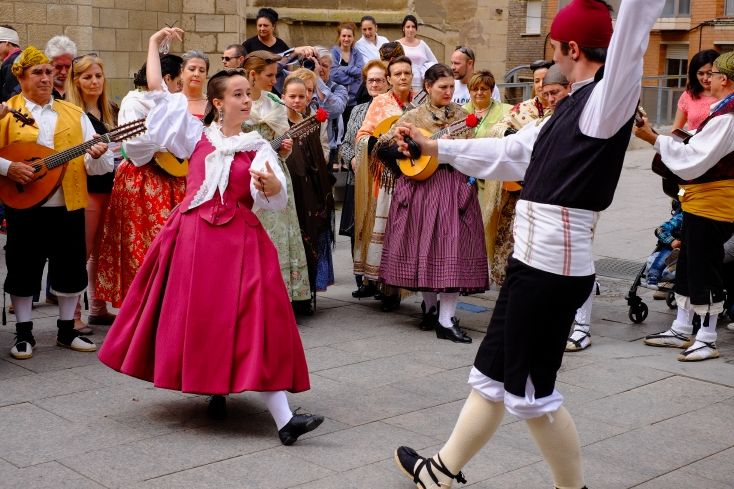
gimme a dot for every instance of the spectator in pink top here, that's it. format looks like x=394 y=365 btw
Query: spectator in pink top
x=694 y=104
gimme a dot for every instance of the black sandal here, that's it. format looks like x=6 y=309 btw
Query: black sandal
x=406 y=458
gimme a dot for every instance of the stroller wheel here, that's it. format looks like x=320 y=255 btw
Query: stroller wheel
x=638 y=313
x=670 y=300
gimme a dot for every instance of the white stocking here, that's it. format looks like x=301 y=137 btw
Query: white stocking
x=277 y=403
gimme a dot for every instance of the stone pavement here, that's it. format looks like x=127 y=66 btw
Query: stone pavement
x=645 y=420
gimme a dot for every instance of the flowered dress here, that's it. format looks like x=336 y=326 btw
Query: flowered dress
x=142 y=198
x=268 y=117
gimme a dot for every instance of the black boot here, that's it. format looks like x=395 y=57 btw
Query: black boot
x=363 y=290
x=70 y=338
x=299 y=424
x=430 y=318
x=390 y=302
x=454 y=333
x=24 y=341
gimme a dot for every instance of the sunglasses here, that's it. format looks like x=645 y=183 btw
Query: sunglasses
x=79 y=58
x=466 y=51
x=226 y=59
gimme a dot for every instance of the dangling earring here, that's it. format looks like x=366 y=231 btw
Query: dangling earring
x=221 y=116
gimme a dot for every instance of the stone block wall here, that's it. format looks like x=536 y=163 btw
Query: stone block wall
x=118 y=30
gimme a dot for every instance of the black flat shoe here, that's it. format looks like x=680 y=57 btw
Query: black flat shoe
x=302 y=308
x=390 y=303
x=412 y=464
x=429 y=321
x=299 y=424
x=364 y=291
x=454 y=333
x=217 y=408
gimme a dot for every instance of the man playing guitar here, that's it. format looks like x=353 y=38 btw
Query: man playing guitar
x=54 y=228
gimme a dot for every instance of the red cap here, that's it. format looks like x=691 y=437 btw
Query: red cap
x=586 y=22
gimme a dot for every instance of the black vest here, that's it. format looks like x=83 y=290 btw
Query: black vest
x=568 y=168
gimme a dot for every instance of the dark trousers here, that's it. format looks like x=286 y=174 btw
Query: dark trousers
x=529 y=328
x=45 y=233
x=699 y=273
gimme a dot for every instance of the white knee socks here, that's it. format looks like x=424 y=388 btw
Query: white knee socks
x=67 y=306
x=448 y=308
x=556 y=436
x=23 y=308
x=277 y=403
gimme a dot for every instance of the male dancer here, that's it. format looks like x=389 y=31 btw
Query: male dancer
x=570 y=163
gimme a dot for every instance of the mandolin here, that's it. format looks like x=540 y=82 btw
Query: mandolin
x=424 y=166
x=174 y=166
x=387 y=123
x=303 y=128
x=49 y=165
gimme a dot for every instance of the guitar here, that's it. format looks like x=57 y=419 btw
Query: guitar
x=424 y=166
x=176 y=167
x=387 y=123
x=49 y=165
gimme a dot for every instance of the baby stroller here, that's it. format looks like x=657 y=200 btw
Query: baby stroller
x=638 y=310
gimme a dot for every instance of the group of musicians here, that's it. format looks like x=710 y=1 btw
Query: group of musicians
x=570 y=163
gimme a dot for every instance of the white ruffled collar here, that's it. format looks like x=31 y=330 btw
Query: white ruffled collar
x=218 y=162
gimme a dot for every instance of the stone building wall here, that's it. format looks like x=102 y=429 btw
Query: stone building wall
x=118 y=30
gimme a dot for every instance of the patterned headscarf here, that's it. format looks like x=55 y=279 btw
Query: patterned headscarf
x=725 y=64
x=30 y=56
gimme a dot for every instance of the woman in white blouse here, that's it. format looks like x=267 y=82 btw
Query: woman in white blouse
x=417 y=50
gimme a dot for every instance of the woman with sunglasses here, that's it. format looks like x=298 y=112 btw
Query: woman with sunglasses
x=208 y=312
x=372 y=207
x=270 y=119
x=143 y=195
x=87 y=88
x=374 y=74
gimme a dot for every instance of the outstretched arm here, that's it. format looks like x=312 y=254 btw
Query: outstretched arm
x=153 y=62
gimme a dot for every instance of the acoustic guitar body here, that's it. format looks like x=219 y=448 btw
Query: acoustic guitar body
x=385 y=125
x=423 y=167
x=44 y=183
x=172 y=165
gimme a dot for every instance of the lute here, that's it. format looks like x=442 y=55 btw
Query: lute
x=386 y=124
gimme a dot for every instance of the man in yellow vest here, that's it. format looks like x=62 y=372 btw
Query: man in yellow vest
x=53 y=230
x=705 y=169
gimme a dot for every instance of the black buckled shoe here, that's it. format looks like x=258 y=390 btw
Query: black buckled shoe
x=299 y=424
x=412 y=465
x=364 y=291
x=217 y=408
x=454 y=333
x=429 y=321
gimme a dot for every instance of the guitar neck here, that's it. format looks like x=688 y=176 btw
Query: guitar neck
x=293 y=131
x=62 y=157
x=449 y=130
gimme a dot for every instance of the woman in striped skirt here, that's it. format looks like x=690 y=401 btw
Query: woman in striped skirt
x=434 y=241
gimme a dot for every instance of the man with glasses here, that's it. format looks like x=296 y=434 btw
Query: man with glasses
x=703 y=166
x=234 y=56
x=9 y=50
x=61 y=51
x=34 y=233
x=462 y=67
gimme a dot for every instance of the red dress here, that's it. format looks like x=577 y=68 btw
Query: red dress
x=141 y=202
x=208 y=311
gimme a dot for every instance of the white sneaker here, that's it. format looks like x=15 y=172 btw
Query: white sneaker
x=700 y=350
x=669 y=339
x=580 y=339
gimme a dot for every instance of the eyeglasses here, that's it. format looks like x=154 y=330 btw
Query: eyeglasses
x=375 y=81
x=481 y=89
x=466 y=51
x=716 y=72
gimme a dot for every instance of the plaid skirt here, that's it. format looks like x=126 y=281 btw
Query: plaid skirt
x=434 y=240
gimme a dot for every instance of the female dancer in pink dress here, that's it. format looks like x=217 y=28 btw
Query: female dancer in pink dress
x=208 y=311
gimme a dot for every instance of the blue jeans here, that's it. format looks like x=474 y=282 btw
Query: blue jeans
x=657 y=267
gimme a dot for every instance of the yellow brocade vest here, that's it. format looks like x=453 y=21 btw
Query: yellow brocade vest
x=68 y=133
